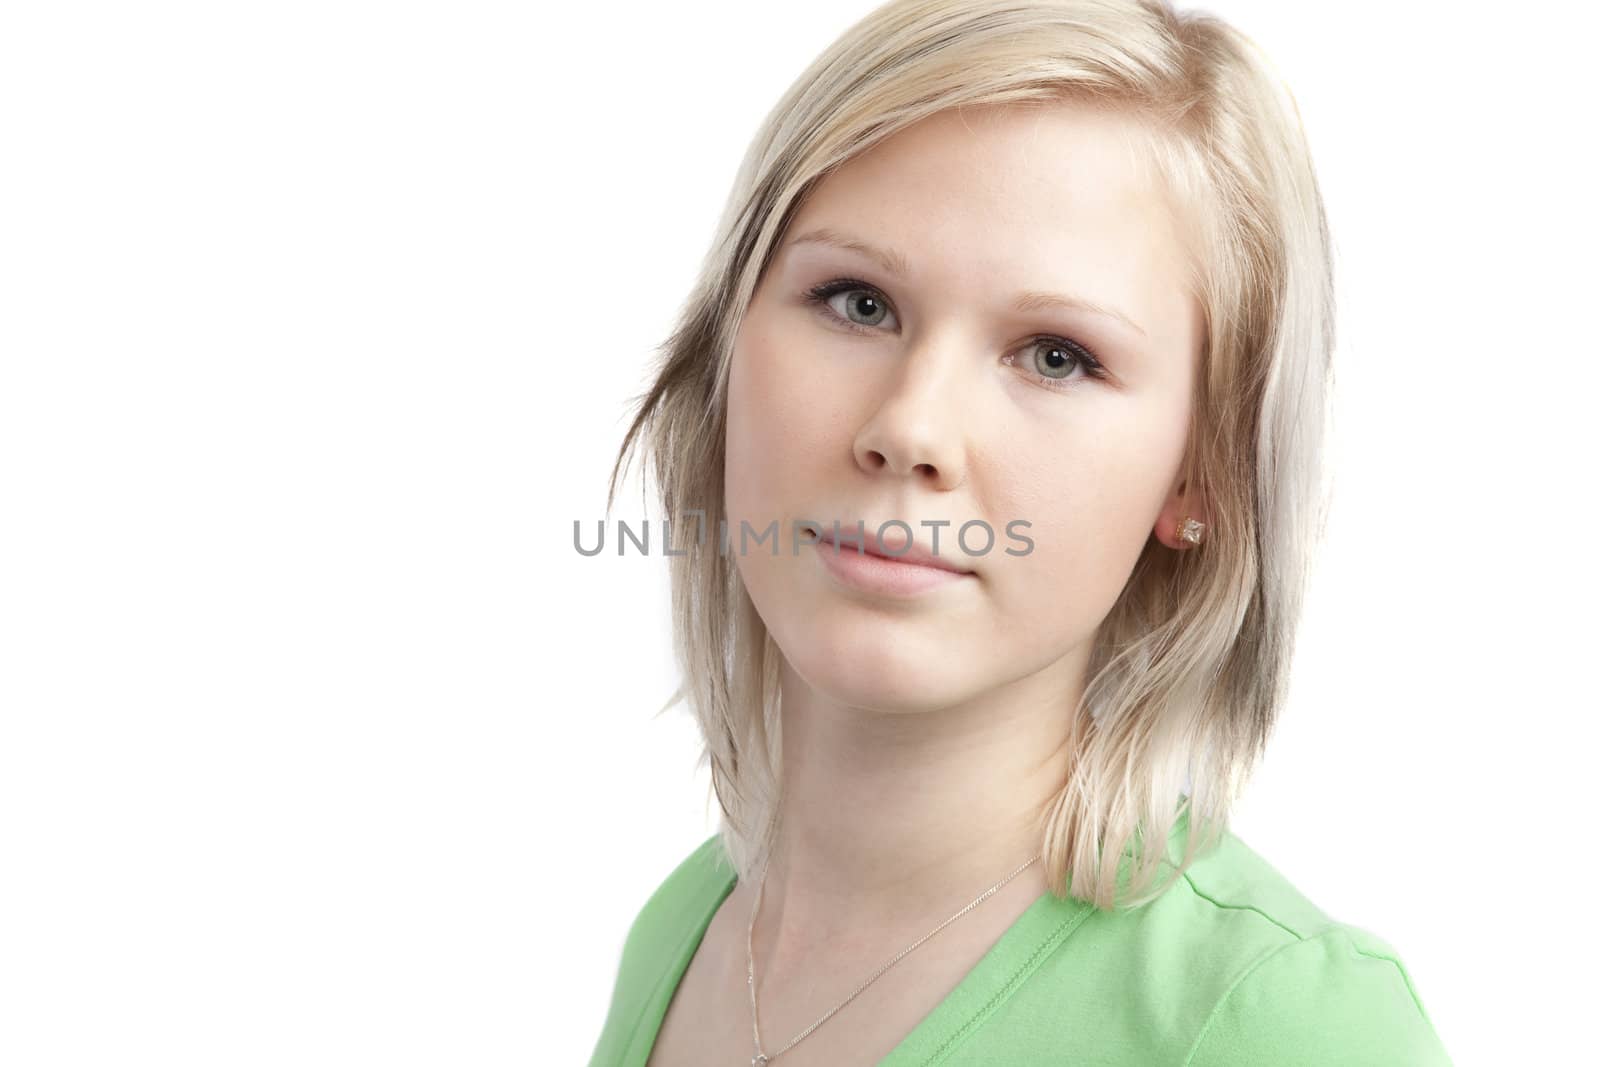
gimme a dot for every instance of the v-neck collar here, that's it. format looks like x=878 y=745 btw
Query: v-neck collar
x=1015 y=955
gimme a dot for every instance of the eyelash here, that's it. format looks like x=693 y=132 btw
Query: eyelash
x=819 y=295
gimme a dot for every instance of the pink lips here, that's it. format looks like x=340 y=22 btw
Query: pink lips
x=874 y=568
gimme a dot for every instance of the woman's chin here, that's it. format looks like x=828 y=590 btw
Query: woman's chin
x=880 y=675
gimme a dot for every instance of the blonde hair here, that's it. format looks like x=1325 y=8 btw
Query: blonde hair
x=1190 y=666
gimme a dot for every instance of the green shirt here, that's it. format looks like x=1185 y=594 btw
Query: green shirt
x=1230 y=967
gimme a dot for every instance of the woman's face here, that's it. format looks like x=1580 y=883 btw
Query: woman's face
x=930 y=387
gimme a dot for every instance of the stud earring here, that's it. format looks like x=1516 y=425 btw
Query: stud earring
x=1191 y=531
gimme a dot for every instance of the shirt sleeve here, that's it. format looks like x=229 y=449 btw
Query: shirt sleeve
x=1333 y=998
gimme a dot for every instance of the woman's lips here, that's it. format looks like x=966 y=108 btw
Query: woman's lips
x=909 y=552
x=863 y=570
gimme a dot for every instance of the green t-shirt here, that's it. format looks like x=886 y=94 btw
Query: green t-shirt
x=1230 y=967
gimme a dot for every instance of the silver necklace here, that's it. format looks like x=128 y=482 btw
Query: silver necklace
x=760 y=1058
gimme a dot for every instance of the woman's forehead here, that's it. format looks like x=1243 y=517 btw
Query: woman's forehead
x=998 y=182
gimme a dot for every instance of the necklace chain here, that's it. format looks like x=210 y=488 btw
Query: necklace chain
x=761 y=1057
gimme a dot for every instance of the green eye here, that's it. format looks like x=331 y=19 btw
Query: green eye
x=867 y=304
x=860 y=300
x=1051 y=364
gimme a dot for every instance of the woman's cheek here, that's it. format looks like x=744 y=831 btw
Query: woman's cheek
x=1058 y=592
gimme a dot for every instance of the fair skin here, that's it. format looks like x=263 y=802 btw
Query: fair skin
x=923 y=736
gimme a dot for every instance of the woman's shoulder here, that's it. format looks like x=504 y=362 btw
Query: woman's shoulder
x=659 y=940
x=681 y=903
x=1291 y=983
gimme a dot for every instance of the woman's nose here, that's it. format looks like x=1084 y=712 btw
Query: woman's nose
x=918 y=429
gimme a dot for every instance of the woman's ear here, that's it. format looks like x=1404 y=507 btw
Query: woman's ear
x=1185 y=520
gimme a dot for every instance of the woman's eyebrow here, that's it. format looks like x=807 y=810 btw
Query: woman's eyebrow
x=890 y=260
x=896 y=264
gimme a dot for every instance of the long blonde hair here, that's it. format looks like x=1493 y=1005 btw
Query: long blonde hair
x=1190 y=666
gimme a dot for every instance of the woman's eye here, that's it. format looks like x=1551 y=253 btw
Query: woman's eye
x=861 y=306
x=1049 y=361
x=1055 y=359
x=852 y=304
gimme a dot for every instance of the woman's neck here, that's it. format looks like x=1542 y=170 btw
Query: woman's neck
x=890 y=815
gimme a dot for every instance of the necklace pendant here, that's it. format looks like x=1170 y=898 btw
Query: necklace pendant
x=759 y=1060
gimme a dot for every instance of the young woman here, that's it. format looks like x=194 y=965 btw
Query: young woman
x=1016 y=335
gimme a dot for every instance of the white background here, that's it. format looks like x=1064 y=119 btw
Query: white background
x=320 y=323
